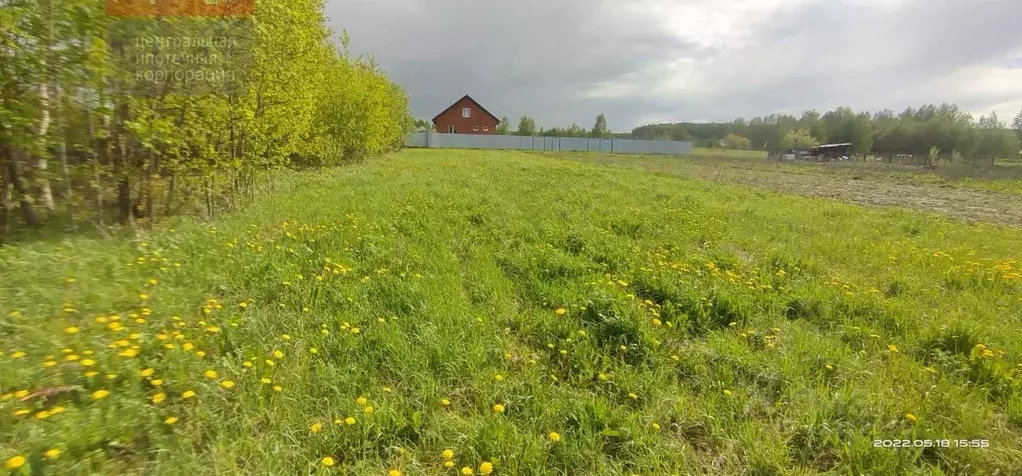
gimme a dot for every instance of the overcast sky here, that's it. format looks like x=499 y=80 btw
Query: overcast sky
x=643 y=61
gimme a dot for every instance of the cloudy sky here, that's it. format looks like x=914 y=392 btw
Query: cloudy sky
x=643 y=61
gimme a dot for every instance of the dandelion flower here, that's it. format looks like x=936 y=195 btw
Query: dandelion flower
x=466 y=471
x=349 y=421
x=560 y=311
x=278 y=388
x=498 y=377
x=156 y=382
x=49 y=363
x=285 y=337
x=15 y=462
x=445 y=402
x=247 y=364
x=227 y=384
x=265 y=381
x=210 y=374
x=486 y=467
x=727 y=392
x=393 y=472
x=278 y=354
x=17 y=355
x=100 y=394
x=498 y=408
x=21 y=394
x=368 y=410
x=448 y=464
x=892 y=348
x=910 y=417
x=327 y=461
x=22 y=412
x=270 y=362
x=361 y=401
x=200 y=354
x=554 y=436
x=52 y=453
x=159 y=397
x=656 y=426
x=170 y=420
x=603 y=377
x=316 y=427
x=71 y=330
x=633 y=396
x=188 y=394
x=91 y=373
x=448 y=454
x=313 y=350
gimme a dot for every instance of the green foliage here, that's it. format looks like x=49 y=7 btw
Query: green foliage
x=799 y=139
x=135 y=147
x=504 y=127
x=737 y=142
x=526 y=126
x=600 y=128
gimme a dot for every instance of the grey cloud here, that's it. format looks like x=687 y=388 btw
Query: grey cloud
x=536 y=57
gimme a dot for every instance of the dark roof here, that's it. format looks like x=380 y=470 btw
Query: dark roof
x=474 y=102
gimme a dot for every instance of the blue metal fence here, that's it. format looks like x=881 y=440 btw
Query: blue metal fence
x=581 y=144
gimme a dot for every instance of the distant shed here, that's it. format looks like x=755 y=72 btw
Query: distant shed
x=840 y=151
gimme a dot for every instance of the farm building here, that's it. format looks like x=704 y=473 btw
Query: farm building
x=840 y=151
x=466 y=116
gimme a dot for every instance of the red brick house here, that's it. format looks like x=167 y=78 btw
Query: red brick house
x=466 y=116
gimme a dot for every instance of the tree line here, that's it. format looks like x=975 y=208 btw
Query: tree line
x=112 y=119
x=935 y=132
x=527 y=127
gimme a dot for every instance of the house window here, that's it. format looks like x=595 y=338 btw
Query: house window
x=451 y=130
x=486 y=128
x=475 y=128
x=466 y=112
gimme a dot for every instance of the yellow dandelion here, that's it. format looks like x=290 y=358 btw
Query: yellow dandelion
x=42 y=415
x=188 y=394
x=188 y=346
x=727 y=392
x=361 y=401
x=316 y=427
x=100 y=394
x=368 y=410
x=71 y=330
x=17 y=355
x=247 y=364
x=393 y=472
x=210 y=374
x=156 y=382
x=159 y=397
x=445 y=402
x=52 y=453
x=227 y=384
x=498 y=377
x=170 y=420
x=498 y=408
x=486 y=467
x=200 y=354
x=265 y=381
x=270 y=362
x=15 y=462
x=892 y=348
x=22 y=412
x=656 y=426
x=313 y=350
x=355 y=330
x=91 y=373
x=49 y=363
x=466 y=471
x=448 y=464
x=278 y=388
x=554 y=436
x=910 y=417
x=285 y=337
x=560 y=311
x=278 y=354
x=327 y=461
x=633 y=396
x=448 y=454
x=349 y=421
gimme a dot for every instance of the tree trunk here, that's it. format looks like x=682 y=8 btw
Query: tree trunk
x=62 y=153
x=41 y=179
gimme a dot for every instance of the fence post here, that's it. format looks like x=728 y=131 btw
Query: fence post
x=612 y=145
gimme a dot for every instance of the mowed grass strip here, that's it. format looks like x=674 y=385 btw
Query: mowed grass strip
x=437 y=310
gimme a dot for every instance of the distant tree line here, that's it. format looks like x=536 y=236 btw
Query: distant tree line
x=937 y=132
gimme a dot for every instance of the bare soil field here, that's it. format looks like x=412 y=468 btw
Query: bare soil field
x=881 y=185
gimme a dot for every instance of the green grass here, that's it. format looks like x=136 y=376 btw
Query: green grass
x=708 y=328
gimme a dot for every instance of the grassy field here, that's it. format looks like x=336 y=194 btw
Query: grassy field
x=466 y=312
